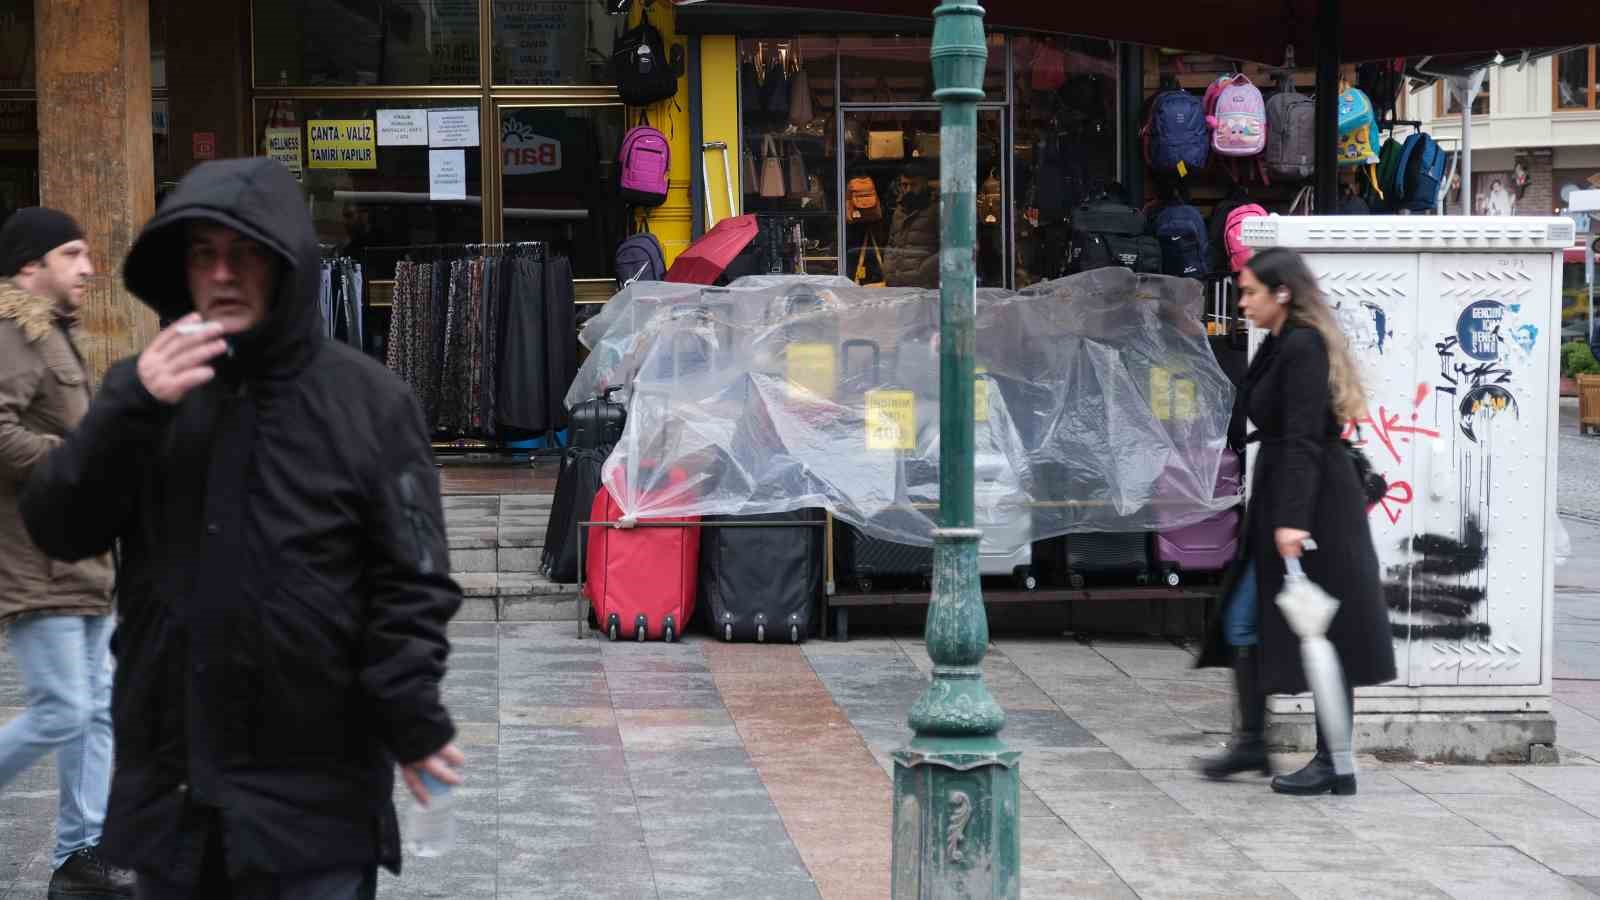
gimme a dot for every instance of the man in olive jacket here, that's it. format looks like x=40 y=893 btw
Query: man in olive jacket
x=56 y=618
x=285 y=579
x=912 y=257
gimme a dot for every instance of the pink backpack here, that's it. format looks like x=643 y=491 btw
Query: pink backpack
x=1237 y=115
x=1233 y=234
x=643 y=162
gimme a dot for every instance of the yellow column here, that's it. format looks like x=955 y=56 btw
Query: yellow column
x=719 y=118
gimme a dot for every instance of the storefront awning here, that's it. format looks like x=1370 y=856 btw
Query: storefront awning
x=1259 y=30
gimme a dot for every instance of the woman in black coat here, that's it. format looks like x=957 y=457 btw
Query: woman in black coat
x=1302 y=384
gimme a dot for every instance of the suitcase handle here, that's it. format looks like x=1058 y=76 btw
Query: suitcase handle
x=858 y=343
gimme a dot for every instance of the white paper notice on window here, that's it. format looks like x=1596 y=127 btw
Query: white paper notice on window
x=447 y=174
x=454 y=127
x=402 y=128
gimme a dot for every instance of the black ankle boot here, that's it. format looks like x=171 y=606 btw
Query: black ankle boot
x=1317 y=777
x=1248 y=751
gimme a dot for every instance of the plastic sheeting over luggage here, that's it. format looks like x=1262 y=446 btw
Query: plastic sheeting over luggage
x=1099 y=407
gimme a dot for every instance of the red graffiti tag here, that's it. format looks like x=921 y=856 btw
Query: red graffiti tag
x=1395 y=502
x=1387 y=428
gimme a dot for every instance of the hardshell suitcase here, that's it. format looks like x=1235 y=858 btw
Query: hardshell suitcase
x=576 y=484
x=1209 y=545
x=1102 y=556
x=761 y=583
x=641 y=580
x=868 y=559
x=598 y=421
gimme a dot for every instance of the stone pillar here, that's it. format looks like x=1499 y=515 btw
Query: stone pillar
x=95 y=154
x=1539 y=199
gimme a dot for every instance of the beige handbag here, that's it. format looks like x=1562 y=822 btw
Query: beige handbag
x=886 y=144
x=771 y=170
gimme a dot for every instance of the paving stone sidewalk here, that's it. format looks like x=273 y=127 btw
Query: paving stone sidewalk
x=707 y=770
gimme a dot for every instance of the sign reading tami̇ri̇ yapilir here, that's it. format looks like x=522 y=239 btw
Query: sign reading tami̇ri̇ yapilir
x=341 y=144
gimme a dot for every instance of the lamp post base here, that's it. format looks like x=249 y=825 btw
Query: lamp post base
x=956 y=822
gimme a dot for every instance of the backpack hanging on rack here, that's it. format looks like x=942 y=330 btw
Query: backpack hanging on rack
x=1237 y=117
x=1418 y=175
x=1291 y=151
x=640 y=65
x=639 y=258
x=1176 y=140
x=1358 y=133
x=643 y=164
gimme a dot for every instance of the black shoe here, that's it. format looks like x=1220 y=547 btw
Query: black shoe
x=85 y=874
x=1318 y=777
x=1246 y=754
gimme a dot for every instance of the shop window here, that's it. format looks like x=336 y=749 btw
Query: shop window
x=897 y=69
x=558 y=178
x=19 y=156
x=1065 y=146
x=366 y=42
x=16 y=45
x=1575 y=79
x=552 y=42
x=372 y=190
x=790 y=171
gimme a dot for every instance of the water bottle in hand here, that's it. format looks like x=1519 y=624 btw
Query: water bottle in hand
x=431 y=829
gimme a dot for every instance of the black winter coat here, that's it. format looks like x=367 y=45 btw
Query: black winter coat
x=1304 y=479
x=284 y=582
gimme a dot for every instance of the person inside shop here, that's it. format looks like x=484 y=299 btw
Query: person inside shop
x=284 y=578
x=1302 y=384
x=56 y=619
x=911 y=258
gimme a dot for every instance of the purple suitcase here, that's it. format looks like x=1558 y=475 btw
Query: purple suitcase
x=1209 y=545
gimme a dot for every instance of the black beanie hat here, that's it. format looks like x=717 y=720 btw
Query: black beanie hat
x=32 y=232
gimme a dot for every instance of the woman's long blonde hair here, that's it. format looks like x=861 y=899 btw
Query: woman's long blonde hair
x=1281 y=268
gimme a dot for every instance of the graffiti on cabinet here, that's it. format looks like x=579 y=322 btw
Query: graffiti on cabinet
x=1395 y=435
x=1440 y=600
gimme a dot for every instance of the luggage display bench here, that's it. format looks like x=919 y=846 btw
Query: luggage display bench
x=836 y=607
x=583 y=604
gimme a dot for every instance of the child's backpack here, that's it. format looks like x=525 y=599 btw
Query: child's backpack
x=1291 y=152
x=1233 y=234
x=639 y=62
x=639 y=258
x=643 y=163
x=1419 y=172
x=1358 y=133
x=1184 y=244
x=1175 y=136
x=1388 y=172
x=1237 y=117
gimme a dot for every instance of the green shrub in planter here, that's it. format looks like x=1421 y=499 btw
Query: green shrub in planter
x=1577 y=359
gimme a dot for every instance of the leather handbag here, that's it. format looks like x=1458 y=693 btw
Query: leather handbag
x=800 y=99
x=771 y=170
x=752 y=177
x=926 y=144
x=862 y=192
x=861 y=263
x=989 y=201
x=886 y=144
x=797 y=173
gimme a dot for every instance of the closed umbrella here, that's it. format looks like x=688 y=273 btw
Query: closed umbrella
x=1309 y=610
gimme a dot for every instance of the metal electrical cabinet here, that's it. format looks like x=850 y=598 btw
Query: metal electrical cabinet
x=1456 y=323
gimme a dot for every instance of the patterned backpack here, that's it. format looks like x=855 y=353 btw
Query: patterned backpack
x=1358 y=133
x=1237 y=116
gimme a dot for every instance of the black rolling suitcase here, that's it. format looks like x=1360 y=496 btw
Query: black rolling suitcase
x=598 y=422
x=761 y=583
x=576 y=486
x=869 y=562
x=1101 y=557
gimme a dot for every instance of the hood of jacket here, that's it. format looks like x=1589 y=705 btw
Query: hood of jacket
x=261 y=200
x=33 y=314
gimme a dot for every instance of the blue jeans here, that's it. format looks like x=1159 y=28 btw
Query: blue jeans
x=67 y=680
x=1239 y=619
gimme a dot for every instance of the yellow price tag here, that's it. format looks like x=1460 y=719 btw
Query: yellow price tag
x=811 y=367
x=891 y=420
x=1172 y=397
x=1183 y=170
x=980 y=395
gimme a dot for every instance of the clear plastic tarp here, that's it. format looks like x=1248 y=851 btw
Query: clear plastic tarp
x=1099 y=406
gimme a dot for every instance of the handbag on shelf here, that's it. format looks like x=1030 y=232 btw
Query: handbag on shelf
x=886 y=145
x=752 y=177
x=797 y=173
x=800 y=99
x=771 y=170
x=862 y=193
x=926 y=145
x=861 y=263
x=989 y=200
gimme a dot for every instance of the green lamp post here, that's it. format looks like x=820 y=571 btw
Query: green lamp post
x=956 y=786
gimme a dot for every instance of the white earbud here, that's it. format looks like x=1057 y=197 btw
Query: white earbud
x=1283 y=298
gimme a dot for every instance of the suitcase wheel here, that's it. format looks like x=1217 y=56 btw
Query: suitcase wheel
x=794 y=634
x=640 y=626
x=1076 y=581
x=669 y=629
x=1173 y=578
x=1026 y=579
x=613 y=626
x=727 y=632
x=761 y=634
x=864 y=585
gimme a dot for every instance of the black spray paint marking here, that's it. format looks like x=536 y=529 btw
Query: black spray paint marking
x=1439 y=560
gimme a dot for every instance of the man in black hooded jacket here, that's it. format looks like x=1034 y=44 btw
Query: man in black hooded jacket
x=284 y=586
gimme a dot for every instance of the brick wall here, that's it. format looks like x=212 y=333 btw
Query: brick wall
x=1539 y=198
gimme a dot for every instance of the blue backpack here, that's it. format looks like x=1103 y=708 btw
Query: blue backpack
x=1418 y=174
x=1176 y=139
x=1185 y=245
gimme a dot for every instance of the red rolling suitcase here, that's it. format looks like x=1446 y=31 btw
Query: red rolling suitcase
x=641 y=580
